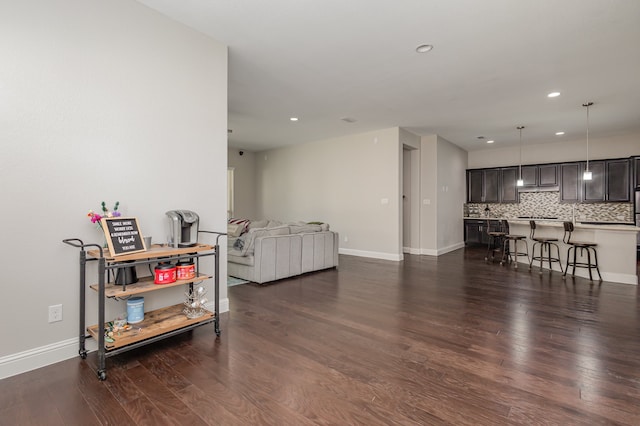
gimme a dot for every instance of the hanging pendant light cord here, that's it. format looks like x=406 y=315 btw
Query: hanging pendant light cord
x=520 y=167
x=587 y=105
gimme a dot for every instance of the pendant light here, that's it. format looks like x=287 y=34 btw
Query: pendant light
x=587 y=175
x=520 y=182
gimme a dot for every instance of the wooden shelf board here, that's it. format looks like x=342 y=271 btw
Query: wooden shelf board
x=155 y=323
x=144 y=285
x=156 y=251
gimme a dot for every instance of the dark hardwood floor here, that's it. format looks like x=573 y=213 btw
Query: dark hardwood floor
x=428 y=341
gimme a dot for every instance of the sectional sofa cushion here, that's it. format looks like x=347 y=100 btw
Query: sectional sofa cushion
x=250 y=237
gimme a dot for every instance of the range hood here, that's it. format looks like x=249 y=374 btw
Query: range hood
x=539 y=189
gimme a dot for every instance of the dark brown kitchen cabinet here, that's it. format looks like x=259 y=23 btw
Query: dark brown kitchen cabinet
x=548 y=175
x=530 y=176
x=483 y=186
x=570 y=182
x=594 y=190
x=475 y=189
x=542 y=175
x=618 y=184
x=475 y=230
x=508 y=188
x=491 y=185
x=636 y=167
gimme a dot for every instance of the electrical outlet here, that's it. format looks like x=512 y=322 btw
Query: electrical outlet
x=55 y=313
x=346 y=239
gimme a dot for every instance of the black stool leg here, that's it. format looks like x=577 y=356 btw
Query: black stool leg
x=589 y=263
x=575 y=259
x=533 y=255
x=564 y=275
x=595 y=258
x=558 y=258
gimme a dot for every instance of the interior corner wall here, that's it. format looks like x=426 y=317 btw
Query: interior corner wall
x=614 y=146
x=99 y=101
x=452 y=164
x=350 y=182
x=429 y=194
x=244 y=185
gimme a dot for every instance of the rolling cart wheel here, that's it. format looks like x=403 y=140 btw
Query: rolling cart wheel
x=102 y=375
x=83 y=354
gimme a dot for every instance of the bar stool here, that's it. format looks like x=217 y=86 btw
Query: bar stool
x=506 y=250
x=582 y=245
x=495 y=243
x=545 y=244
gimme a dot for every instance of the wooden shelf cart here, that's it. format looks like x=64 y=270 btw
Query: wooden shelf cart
x=158 y=324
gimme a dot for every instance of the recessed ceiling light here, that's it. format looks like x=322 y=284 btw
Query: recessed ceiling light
x=553 y=95
x=294 y=119
x=559 y=133
x=424 y=48
x=490 y=141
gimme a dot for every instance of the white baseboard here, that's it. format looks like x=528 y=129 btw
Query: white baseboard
x=399 y=257
x=614 y=277
x=31 y=359
x=441 y=251
x=411 y=250
x=21 y=362
x=371 y=254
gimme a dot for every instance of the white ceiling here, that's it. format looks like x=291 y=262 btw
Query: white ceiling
x=493 y=63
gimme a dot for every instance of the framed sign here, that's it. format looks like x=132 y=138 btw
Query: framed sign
x=123 y=235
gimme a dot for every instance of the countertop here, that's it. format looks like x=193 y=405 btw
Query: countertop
x=603 y=225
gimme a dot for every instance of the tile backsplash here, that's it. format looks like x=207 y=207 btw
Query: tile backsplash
x=547 y=204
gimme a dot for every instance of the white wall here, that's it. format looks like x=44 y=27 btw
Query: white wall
x=244 y=182
x=341 y=181
x=452 y=163
x=618 y=146
x=429 y=194
x=99 y=100
x=443 y=191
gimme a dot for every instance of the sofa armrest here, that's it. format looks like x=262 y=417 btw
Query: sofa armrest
x=319 y=250
x=277 y=257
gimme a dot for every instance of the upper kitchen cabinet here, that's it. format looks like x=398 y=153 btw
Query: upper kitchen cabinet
x=610 y=182
x=475 y=190
x=548 y=175
x=594 y=190
x=483 y=186
x=618 y=180
x=492 y=185
x=543 y=175
x=508 y=188
x=570 y=182
x=530 y=176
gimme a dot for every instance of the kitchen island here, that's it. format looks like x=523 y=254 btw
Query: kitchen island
x=616 y=246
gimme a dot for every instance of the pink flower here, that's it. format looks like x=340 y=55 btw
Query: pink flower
x=95 y=217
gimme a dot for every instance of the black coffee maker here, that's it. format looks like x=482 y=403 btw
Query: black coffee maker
x=183 y=228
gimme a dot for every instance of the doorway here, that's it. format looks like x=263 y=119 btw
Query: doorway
x=410 y=200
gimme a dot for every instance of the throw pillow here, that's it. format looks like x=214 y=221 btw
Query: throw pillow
x=234 y=229
x=243 y=222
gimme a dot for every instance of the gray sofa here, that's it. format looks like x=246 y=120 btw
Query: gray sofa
x=271 y=250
